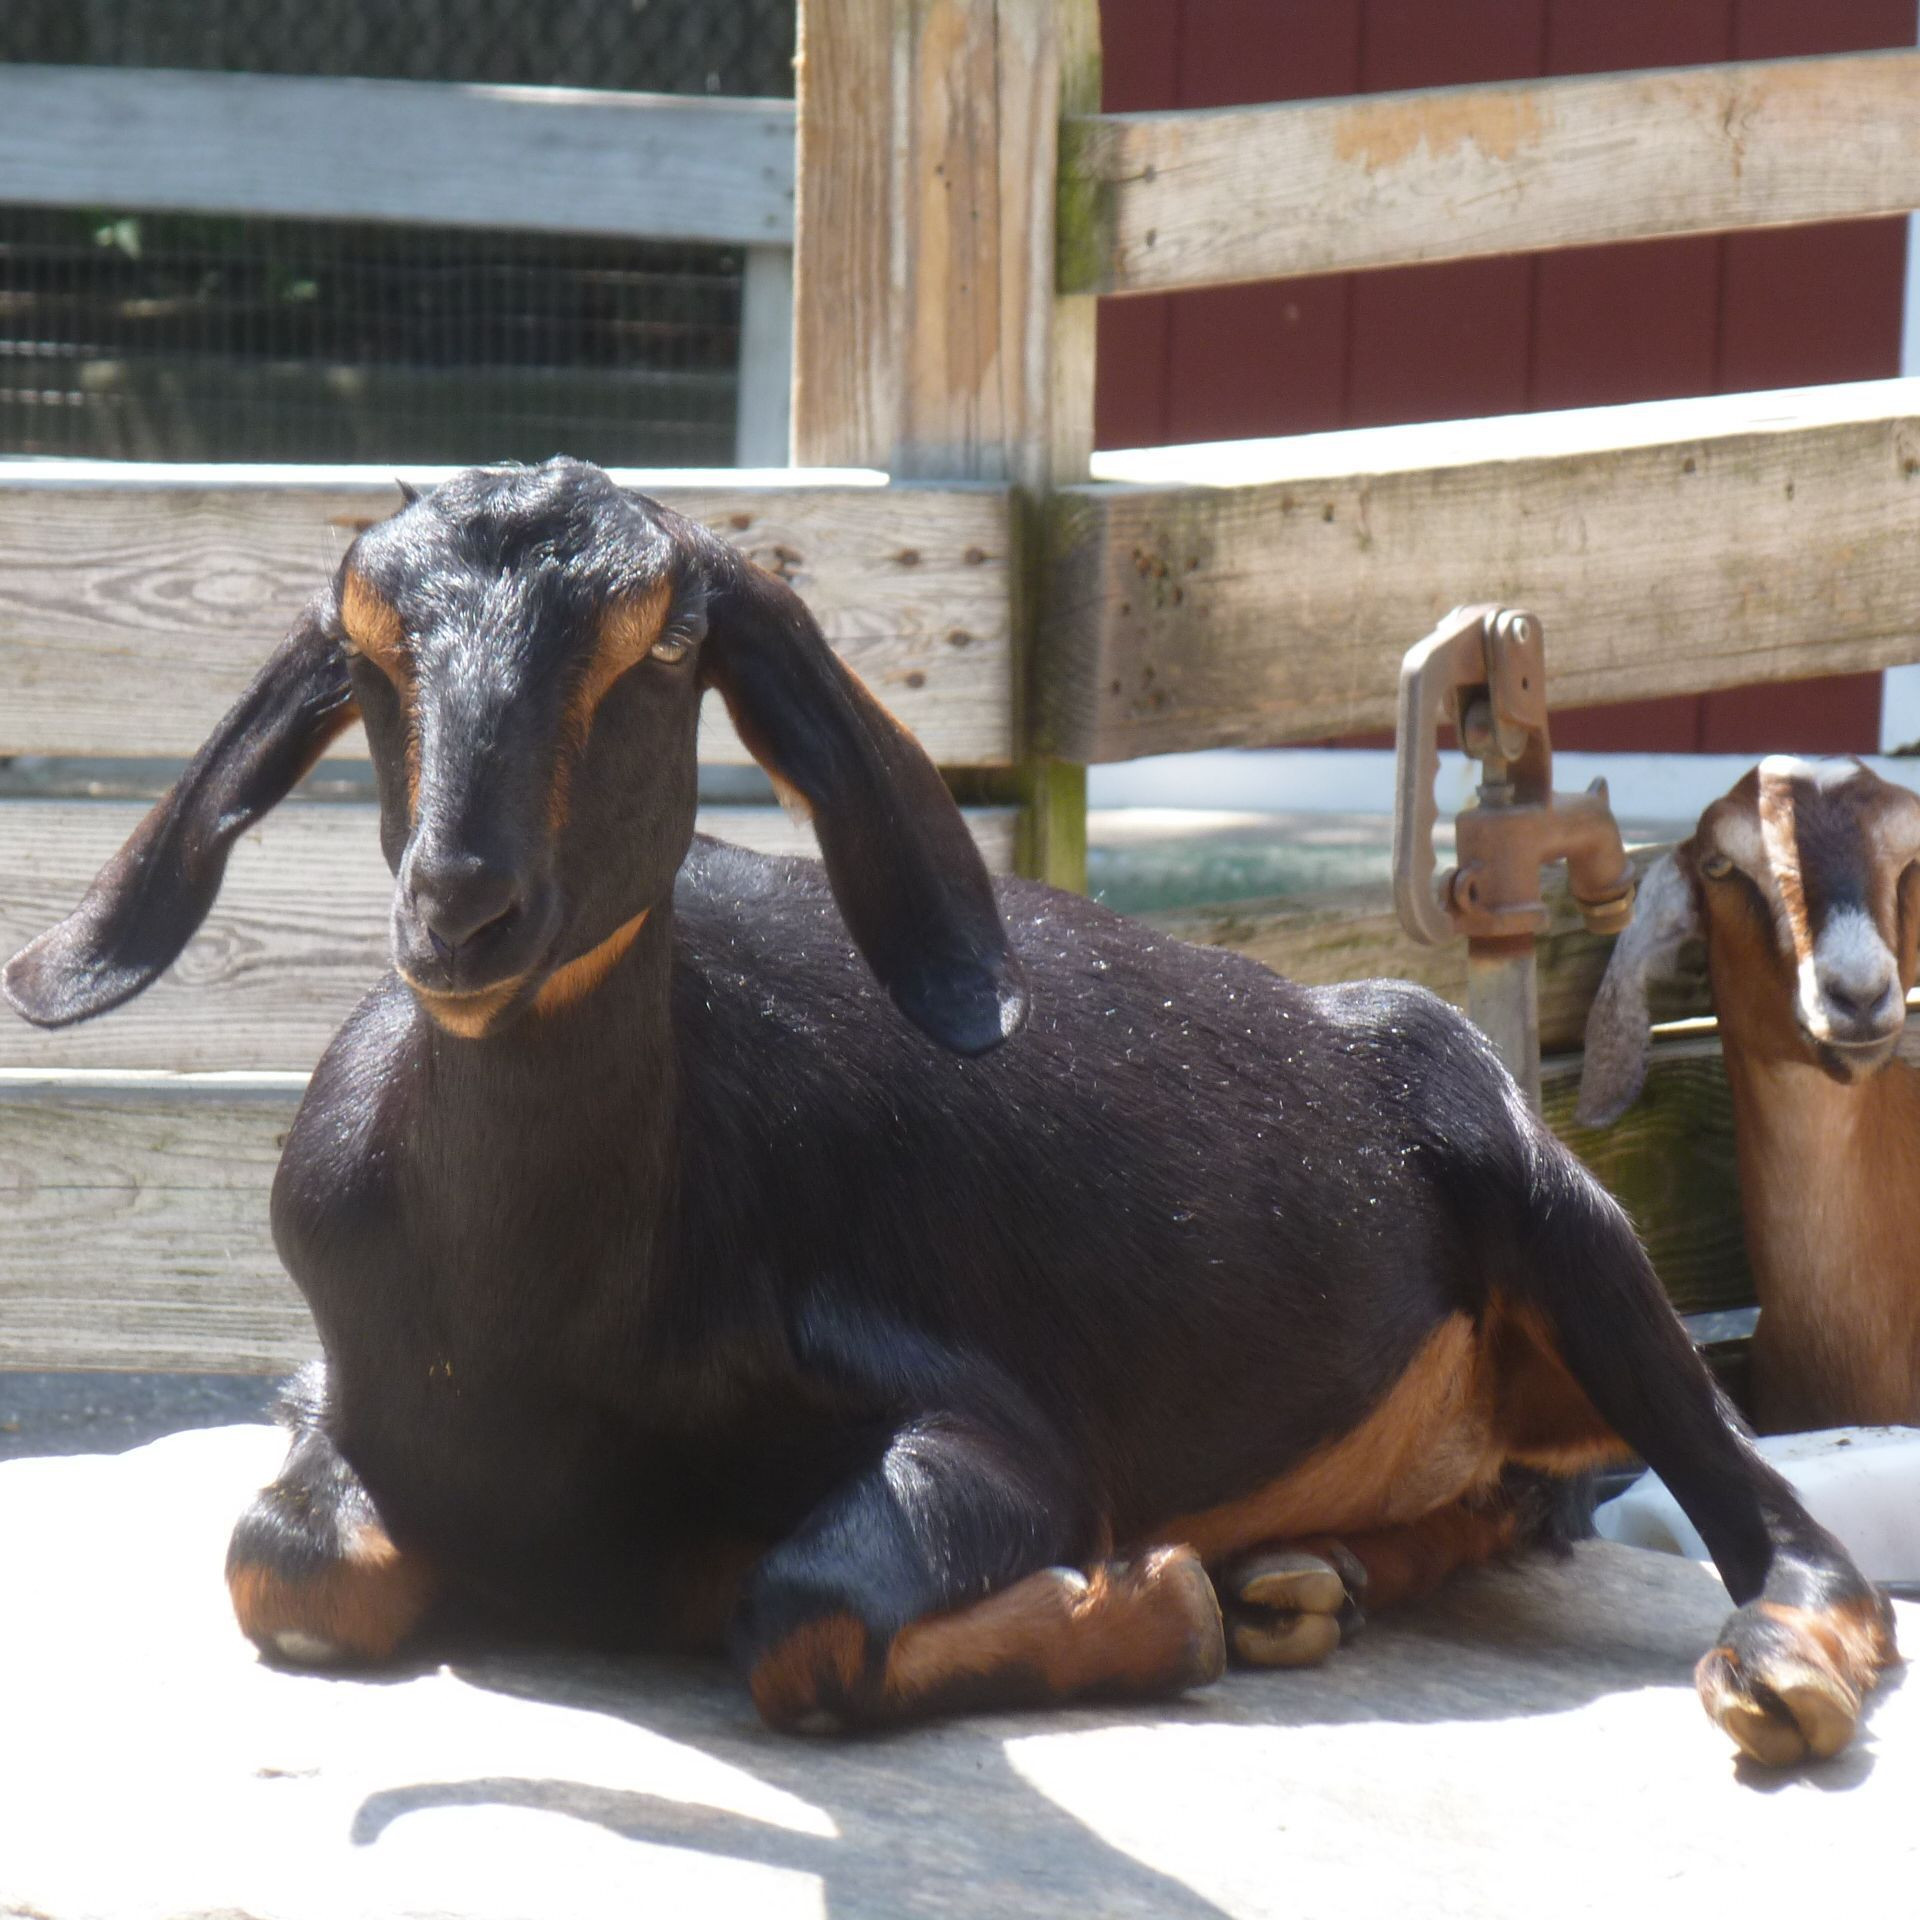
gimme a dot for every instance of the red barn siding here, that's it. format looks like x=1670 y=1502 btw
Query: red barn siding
x=1594 y=327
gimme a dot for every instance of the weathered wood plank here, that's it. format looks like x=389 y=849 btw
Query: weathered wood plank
x=1188 y=199
x=928 y=337
x=1354 y=934
x=134 y=607
x=552 y=159
x=133 y=1225
x=1685 y=546
x=845 y=373
x=298 y=936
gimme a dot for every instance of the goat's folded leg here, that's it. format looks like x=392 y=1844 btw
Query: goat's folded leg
x=924 y=1586
x=314 y=1577
x=1811 y=1634
x=1291 y=1603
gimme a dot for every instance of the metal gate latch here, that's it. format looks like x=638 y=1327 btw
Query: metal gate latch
x=1483 y=668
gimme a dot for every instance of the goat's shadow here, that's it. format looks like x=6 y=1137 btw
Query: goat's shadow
x=941 y=1818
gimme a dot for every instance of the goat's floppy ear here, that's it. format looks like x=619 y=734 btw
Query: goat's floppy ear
x=904 y=869
x=1620 y=1026
x=150 y=898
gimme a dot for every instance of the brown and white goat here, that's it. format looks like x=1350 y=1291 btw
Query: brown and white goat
x=1804 y=882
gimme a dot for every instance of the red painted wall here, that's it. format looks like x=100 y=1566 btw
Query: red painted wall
x=1601 y=325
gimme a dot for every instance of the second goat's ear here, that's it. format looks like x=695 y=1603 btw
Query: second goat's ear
x=1620 y=1024
x=904 y=869
x=151 y=897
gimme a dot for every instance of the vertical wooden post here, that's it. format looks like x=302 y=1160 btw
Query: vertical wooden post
x=928 y=338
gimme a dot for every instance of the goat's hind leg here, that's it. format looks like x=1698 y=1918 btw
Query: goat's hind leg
x=1291 y=1603
x=940 y=1581
x=1810 y=1634
x=314 y=1577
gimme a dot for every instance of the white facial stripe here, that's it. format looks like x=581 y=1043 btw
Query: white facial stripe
x=1823 y=774
x=1737 y=835
x=1849 y=955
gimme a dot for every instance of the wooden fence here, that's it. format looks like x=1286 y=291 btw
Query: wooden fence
x=959 y=203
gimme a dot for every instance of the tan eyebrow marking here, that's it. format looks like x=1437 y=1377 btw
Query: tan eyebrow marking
x=371 y=623
x=628 y=628
x=375 y=630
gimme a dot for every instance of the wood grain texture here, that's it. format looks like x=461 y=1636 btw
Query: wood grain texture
x=298 y=936
x=845 y=374
x=549 y=159
x=132 y=612
x=1767 y=541
x=133 y=1226
x=928 y=338
x=1198 y=198
x=1353 y=934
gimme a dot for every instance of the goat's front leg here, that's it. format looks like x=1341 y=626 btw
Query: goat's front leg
x=314 y=1576
x=931 y=1583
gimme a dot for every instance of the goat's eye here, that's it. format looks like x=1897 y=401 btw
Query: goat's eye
x=677 y=640
x=1716 y=866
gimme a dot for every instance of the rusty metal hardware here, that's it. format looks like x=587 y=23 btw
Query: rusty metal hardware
x=1483 y=669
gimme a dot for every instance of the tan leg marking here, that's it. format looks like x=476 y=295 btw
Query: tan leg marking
x=1430 y=1440
x=360 y=1608
x=1143 y=1629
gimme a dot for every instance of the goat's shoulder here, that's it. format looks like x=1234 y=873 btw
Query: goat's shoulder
x=768 y=927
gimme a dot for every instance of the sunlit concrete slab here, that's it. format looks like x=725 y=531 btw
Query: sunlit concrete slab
x=1527 y=1745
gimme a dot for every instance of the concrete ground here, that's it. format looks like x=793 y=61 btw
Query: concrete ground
x=1528 y=1744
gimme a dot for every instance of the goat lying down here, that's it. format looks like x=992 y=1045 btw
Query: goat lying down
x=674 y=1288
x=1804 y=882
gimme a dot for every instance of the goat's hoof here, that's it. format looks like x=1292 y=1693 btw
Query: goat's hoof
x=1292 y=1606
x=1786 y=1683
x=1176 y=1600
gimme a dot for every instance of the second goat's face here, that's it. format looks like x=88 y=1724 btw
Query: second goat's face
x=524 y=650
x=1807 y=879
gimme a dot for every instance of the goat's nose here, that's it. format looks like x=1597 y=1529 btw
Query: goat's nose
x=459 y=897
x=1860 y=993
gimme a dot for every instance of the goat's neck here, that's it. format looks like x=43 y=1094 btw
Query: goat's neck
x=601 y=1065
x=1832 y=1213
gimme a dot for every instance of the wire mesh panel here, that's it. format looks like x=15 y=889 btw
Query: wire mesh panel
x=126 y=334
x=649 y=46
x=153 y=337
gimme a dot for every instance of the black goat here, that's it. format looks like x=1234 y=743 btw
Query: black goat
x=674 y=1289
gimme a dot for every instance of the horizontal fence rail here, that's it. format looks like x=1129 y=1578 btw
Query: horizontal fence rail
x=295 y=941
x=136 y=603
x=548 y=159
x=136 y=1223
x=1259 y=593
x=1155 y=201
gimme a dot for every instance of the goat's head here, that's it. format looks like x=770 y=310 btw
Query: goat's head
x=1804 y=885
x=527 y=648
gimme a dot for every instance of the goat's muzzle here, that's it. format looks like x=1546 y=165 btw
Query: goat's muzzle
x=467 y=929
